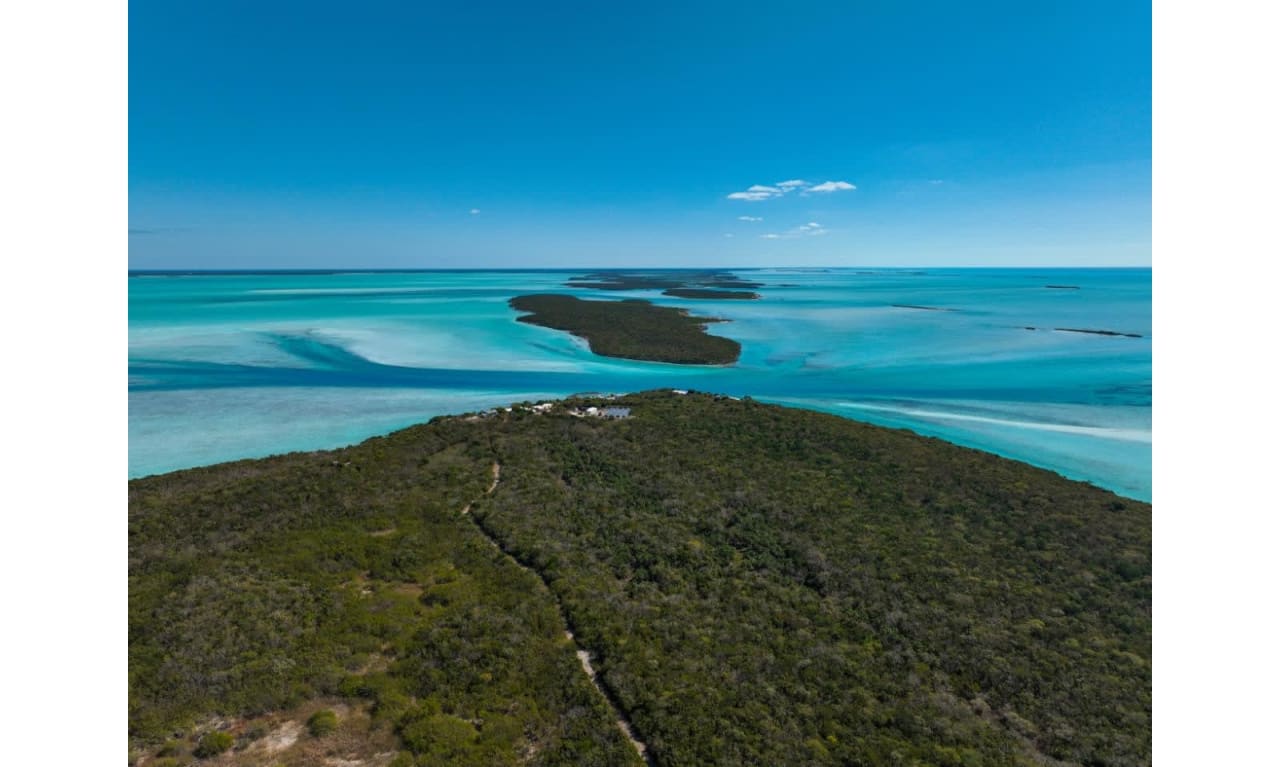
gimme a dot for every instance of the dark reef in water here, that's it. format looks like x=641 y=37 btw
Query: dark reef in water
x=924 y=308
x=1100 y=332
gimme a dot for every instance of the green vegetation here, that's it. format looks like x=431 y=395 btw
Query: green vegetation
x=661 y=280
x=258 y=585
x=756 y=585
x=322 y=723
x=212 y=744
x=632 y=329
x=710 y=293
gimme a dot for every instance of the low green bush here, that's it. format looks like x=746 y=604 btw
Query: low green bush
x=322 y=723
x=212 y=744
x=402 y=759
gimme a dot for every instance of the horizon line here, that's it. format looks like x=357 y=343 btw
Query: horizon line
x=394 y=270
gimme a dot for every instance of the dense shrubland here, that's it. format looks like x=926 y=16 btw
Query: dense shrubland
x=257 y=585
x=758 y=585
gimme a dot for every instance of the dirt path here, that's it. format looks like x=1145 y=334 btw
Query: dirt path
x=584 y=657
x=497 y=477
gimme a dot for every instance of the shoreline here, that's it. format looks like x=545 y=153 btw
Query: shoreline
x=922 y=429
x=332 y=365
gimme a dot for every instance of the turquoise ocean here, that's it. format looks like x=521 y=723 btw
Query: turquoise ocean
x=237 y=365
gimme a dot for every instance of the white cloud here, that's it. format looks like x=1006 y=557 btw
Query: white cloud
x=758 y=192
x=935 y=181
x=750 y=196
x=831 y=186
x=474 y=211
x=750 y=218
x=808 y=230
x=727 y=234
x=811 y=229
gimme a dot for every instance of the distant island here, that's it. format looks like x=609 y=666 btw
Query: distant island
x=710 y=293
x=664 y=280
x=631 y=329
x=666 y=578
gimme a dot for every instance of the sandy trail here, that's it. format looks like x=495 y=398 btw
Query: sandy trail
x=584 y=657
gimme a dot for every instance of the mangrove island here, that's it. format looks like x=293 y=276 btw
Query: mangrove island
x=632 y=329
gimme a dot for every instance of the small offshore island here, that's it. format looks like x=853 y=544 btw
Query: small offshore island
x=665 y=280
x=631 y=329
x=713 y=286
x=711 y=293
x=682 y=579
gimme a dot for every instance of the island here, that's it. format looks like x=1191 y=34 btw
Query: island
x=663 y=280
x=700 y=580
x=631 y=329
x=711 y=293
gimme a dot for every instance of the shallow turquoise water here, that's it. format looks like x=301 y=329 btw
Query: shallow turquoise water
x=226 y=366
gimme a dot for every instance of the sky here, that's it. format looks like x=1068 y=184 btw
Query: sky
x=482 y=134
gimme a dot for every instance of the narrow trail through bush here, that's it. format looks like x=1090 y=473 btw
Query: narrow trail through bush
x=584 y=656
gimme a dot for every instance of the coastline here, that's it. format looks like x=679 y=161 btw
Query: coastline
x=224 y=367
x=628 y=518
x=870 y=412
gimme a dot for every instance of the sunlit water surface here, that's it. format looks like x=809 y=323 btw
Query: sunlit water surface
x=227 y=366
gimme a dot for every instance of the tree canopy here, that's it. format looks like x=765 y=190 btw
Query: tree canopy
x=755 y=585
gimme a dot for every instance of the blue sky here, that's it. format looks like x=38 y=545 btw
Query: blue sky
x=439 y=135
